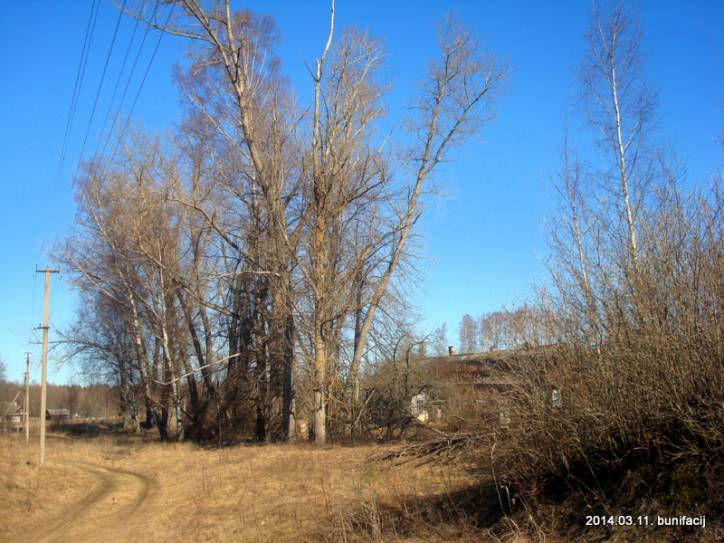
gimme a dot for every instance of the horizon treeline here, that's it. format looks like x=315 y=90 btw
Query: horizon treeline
x=93 y=400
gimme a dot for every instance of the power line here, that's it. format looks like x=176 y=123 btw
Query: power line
x=140 y=88
x=78 y=84
x=128 y=84
x=79 y=76
x=116 y=86
x=103 y=77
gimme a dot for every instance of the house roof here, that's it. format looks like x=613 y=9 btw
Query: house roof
x=493 y=368
x=470 y=365
x=58 y=412
x=497 y=370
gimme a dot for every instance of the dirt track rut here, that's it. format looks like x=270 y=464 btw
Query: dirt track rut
x=110 y=511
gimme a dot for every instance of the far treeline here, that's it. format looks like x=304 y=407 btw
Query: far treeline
x=250 y=270
x=92 y=401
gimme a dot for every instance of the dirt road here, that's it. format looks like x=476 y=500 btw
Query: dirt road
x=111 y=511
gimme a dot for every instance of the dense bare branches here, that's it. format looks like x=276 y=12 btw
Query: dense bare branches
x=632 y=376
x=265 y=246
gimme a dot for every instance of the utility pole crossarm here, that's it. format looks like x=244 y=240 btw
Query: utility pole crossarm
x=46 y=270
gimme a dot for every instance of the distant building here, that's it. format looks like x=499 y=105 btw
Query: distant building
x=12 y=416
x=480 y=379
x=57 y=414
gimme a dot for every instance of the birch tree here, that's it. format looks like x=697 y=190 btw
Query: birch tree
x=620 y=109
x=468 y=335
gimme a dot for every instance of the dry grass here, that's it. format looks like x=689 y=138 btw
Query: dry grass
x=27 y=493
x=261 y=493
x=246 y=493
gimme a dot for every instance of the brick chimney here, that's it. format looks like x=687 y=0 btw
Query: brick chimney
x=451 y=350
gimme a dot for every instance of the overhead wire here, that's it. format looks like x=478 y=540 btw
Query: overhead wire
x=140 y=88
x=127 y=85
x=77 y=86
x=79 y=77
x=116 y=86
x=103 y=77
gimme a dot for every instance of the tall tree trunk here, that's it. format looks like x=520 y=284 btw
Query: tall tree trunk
x=288 y=403
x=320 y=376
x=129 y=407
x=623 y=174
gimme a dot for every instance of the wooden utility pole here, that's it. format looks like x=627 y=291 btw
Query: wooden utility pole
x=44 y=360
x=27 y=397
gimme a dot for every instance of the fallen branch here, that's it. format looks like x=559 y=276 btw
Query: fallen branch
x=441 y=449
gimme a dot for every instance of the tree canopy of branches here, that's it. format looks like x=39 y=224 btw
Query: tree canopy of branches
x=238 y=276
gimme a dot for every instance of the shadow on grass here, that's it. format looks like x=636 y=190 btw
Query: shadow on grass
x=466 y=511
x=112 y=431
x=87 y=430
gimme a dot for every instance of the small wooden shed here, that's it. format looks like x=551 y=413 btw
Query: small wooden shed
x=57 y=414
x=12 y=416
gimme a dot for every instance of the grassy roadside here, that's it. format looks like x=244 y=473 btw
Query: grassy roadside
x=301 y=492
x=245 y=493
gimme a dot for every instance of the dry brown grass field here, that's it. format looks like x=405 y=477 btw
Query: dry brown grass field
x=116 y=489
x=99 y=484
x=102 y=487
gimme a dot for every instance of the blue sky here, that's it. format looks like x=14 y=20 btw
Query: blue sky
x=483 y=244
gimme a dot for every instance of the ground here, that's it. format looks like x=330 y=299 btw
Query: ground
x=110 y=488
x=100 y=487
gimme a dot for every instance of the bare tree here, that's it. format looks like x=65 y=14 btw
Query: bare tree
x=276 y=235
x=459 y=90
x=468 y=335
x=439 y=341
x=620 y=107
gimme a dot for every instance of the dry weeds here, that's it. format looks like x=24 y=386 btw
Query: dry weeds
x=246 y=493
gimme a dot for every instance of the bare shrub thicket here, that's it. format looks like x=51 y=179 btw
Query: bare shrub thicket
x=636 y=382
x=635 y=304
x=622 y=407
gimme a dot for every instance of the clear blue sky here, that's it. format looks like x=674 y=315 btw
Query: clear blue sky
x=483 y=244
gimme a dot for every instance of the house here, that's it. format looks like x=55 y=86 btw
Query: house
x=475 y=385
x=12 y=416
x=57 y=414
x=461 y=392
